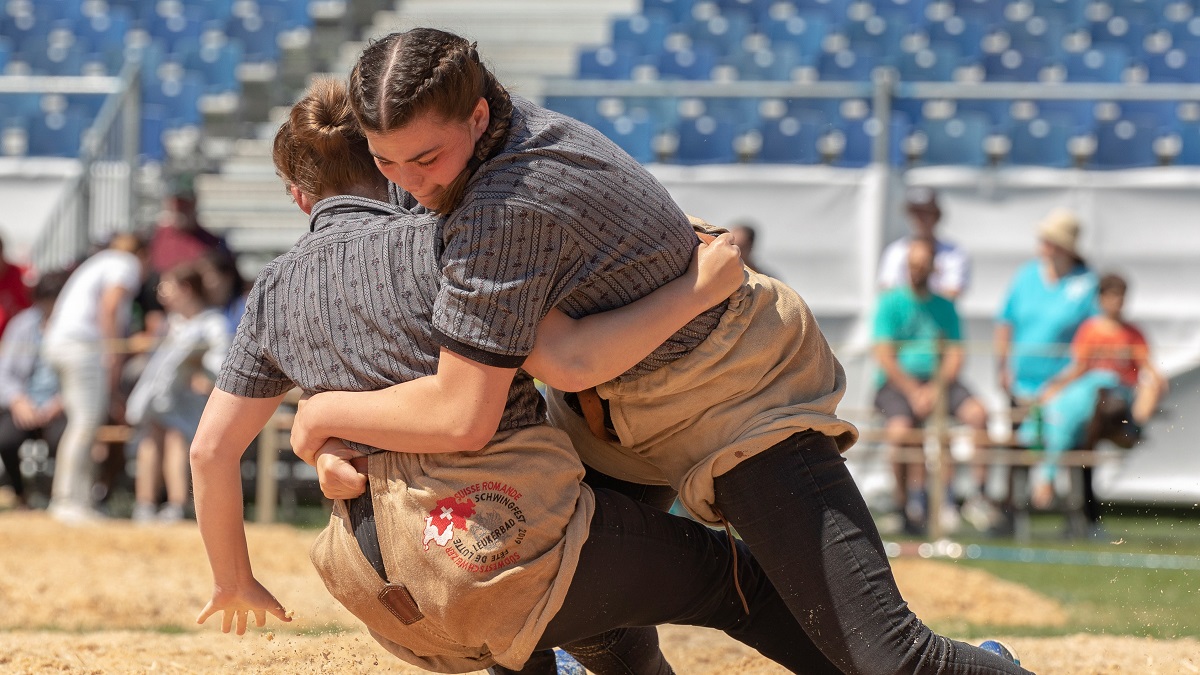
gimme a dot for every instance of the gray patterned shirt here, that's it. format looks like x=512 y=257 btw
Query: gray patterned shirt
x=561 y=217
x=349 y=308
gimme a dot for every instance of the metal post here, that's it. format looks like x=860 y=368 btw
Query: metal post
x=884 y=81
x=131 y=132
x=267 y=489
x=936 y=448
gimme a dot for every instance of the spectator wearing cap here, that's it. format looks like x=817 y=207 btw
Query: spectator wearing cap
x=951 y=264
x=1048 y=299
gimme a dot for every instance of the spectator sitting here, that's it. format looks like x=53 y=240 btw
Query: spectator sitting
x=1048 y=300
x=911 y=323
x=951 y=265
x=1111 y=382
x=81 y=344
x=14 y=294
x=30 y=405
x=168 y=399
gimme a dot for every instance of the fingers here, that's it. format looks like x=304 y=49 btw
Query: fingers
x=227 y=620
x=280 y=613
x=208 y=611
x=241 y=622
x=260 y=618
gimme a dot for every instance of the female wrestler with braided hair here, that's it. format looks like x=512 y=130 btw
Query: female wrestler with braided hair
x=466 y=555
x=737 y=410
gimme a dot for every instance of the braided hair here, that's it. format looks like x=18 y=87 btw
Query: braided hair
x=425 y=70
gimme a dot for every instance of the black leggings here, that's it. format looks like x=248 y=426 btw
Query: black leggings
x=798 y=509
x=643 y=567
x=11 y=439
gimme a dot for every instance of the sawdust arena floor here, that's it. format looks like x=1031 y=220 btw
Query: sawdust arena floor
x=117 y=598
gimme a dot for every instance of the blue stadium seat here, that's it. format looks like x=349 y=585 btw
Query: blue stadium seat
x=661 y=111
x=26 y=106
x=723 y=34
x=1041 y=141
x=1127 y=30
x=644 y=35
x=1156 y=114
x=1178 y=64
x=966 y=35
x=154 y=124
x=1013 y=66
x=687 y=64
x=914 y=9
x=105 y=30
x=1037 y=34
x=848 y=65
x=14 y=136
x=215 y=10
x=257 y=37
x=57 y=9
x=217 y=66
x=955 y=140
x=912 y=108
x=778 y=63
x=988 y=12
x=583 y=108
x=633 y=135
x=751 y=9
x=741 y=111
x=606 y=63
x=1189 y=149
x=1069 y=12
x=883 y=32
x=804 y=30
x=1102 y=63
x=1183 y=32
x=836 y=10
x=792 y=140
x=5 y=52
x=1124 y=144
x=56 y=134
x=676 y=11
x=859 y=135
x=997 y=111
x=935 y=63
x=1081 y=113
x=179 y=98
x=705 y=140
x=829 y=108
x=293 y=13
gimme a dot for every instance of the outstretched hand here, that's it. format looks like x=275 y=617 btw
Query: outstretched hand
x=237 y=604
x=717 y=268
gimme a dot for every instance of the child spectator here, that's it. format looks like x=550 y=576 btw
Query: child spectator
x=168 y=399
x=1111 y=382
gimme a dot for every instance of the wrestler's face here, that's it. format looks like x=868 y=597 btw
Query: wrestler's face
x=427 y=154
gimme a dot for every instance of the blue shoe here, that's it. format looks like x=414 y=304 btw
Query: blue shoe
x=998 y=648
x=567 y=665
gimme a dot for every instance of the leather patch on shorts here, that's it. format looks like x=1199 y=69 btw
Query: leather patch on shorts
x=400 y=603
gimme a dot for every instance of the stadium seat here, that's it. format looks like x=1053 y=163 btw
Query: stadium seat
x=56 y=134
x=804 y=31
x=1124 y=144
x=154 y=125
x=792 y=140
x=635 y=136
x=883 y=32
x=687 y=64
x=848 y=65
x=778 y=63
x=1081 y=113
x=676 y=11
x=643 y=35
x=754 y=10
x=1102 y=63
x=997 y=111
x=14 y=137
x=583 y=108
x=966 y=35
x=217 y=66
x=5 y=52
x=914 y=9
x=1178 y=64
x=1037 y=34
x=705 y=140
x=606 y=63
x=987 y=12
x=1013 y=66
x=955 y=140
x=1155 y=114
x=935 y=63
x=1183 y=32
x=835 y=10
x=1069 y=12
x=1127 y=29
x=1189 y=148
x=859 y=140
x=723 y=34
x=1041 y=141
x=802 y=107
x=257 y=37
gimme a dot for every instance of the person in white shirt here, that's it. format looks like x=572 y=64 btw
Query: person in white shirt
x=951 y=264
x=92 y=312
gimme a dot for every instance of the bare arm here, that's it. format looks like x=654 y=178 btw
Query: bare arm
x=457 y=409
x=228 y=425
x=574 y=354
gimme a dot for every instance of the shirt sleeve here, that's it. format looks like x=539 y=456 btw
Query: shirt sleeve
x=952 y=327
x=883 y=329
x=955 y=270
x=127 y=274
x=504 y=266
x=18 y=351
x=890 y=265
x=249 y=370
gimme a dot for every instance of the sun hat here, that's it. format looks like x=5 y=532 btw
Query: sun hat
x=1060 y=227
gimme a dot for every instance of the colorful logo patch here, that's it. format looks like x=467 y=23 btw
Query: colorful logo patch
x=480 y=528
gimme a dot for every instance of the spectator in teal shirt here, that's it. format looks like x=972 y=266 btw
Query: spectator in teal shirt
x=910 y=322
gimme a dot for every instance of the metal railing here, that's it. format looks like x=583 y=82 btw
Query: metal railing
x=100 y=198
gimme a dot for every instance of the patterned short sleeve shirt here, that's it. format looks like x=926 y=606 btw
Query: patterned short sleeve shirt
x=560 y=217
x=349 y=308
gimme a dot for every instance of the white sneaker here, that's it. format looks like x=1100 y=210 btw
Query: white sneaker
x=170 y=513
x=143 y=514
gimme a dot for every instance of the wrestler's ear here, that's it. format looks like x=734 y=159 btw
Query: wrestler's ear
x=480 y=117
